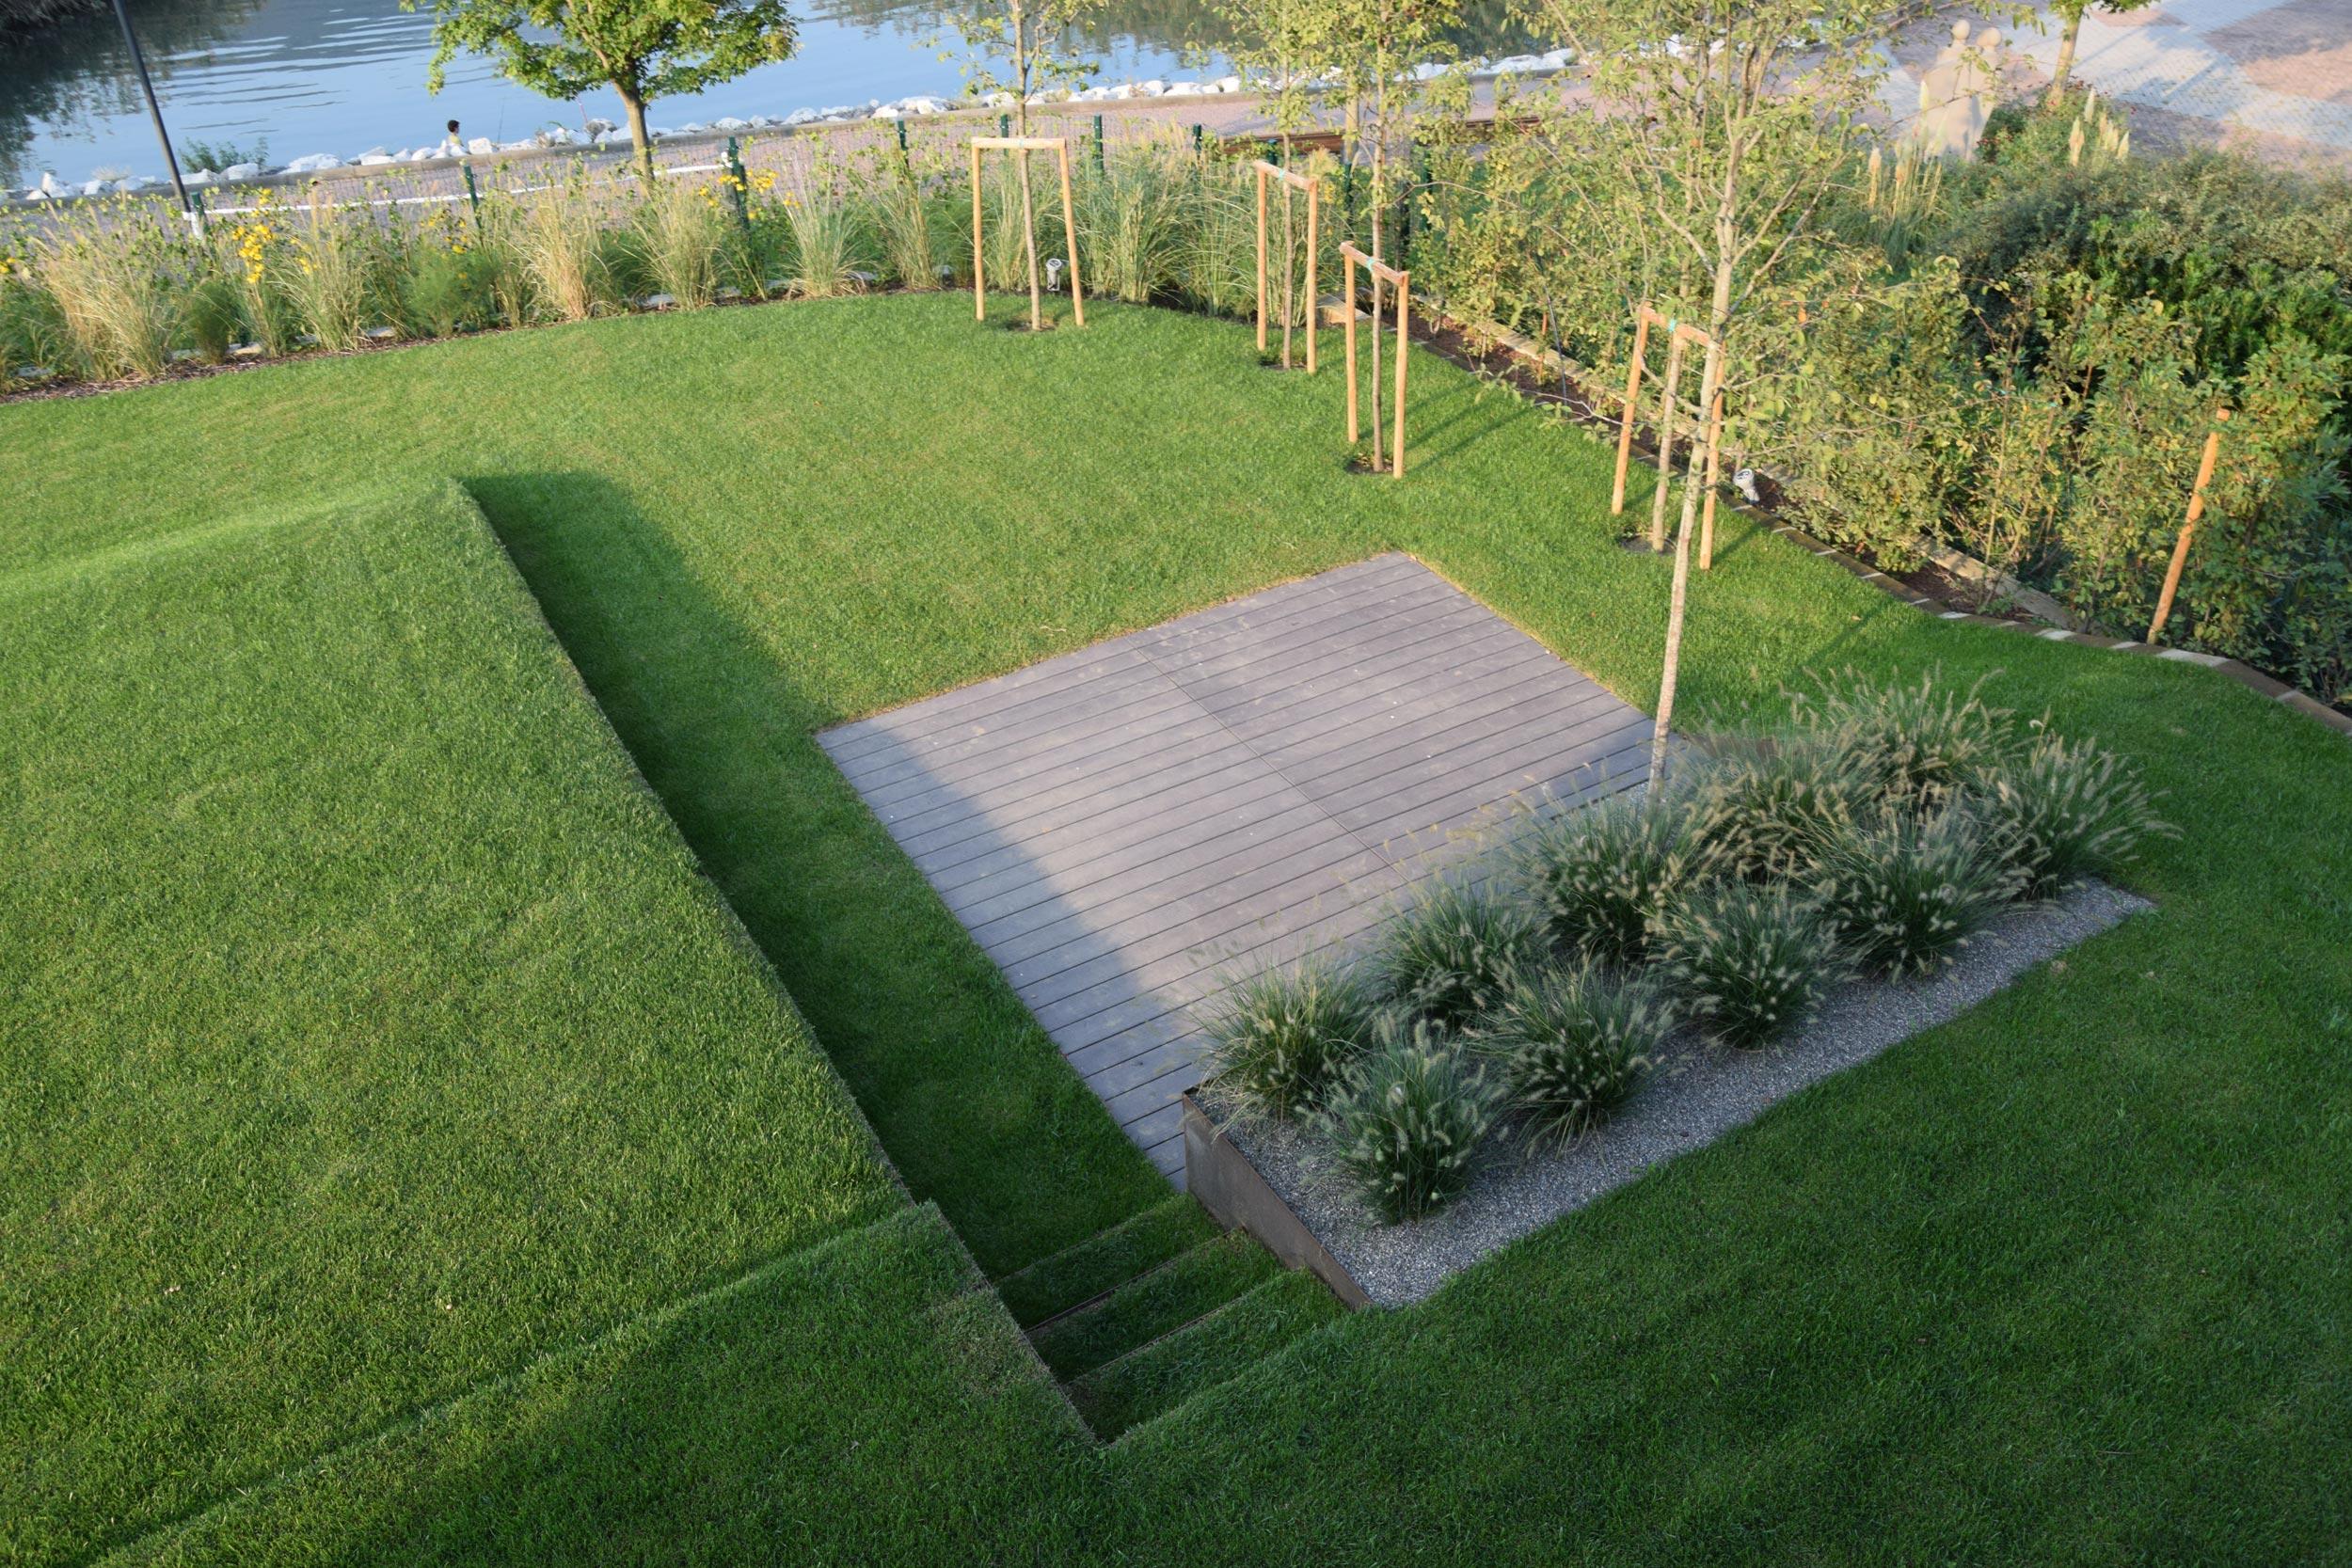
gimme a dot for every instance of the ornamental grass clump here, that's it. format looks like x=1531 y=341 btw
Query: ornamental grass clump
x=1916 y=745
x=1571 y=1044
x=1454 y=953
x=1749 y=961
x=1900 y=893
x=1408 y=1120
x=1602 y=875
x=2065 y=812
x=1279 y=1040
x=1767 y=812
x=328 y=283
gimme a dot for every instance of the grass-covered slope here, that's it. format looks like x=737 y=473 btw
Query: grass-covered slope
x=865 y=1401
x=2065 y=1281
x=367 y=1031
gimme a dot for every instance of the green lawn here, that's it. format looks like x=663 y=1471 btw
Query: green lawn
x=367 y=1029
x=2066 y=1280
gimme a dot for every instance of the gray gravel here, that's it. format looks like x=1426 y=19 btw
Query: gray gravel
x=1695 y=1096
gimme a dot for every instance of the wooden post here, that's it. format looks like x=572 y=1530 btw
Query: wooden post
x=1262 y=258
x=1070 y=236
x=1665 y=439
x=1347 y=304
x=1714 y=478
x=1403 y=342
x=1632 y=397
x=1314 y=308
x=979 y=302
x=2188 y=527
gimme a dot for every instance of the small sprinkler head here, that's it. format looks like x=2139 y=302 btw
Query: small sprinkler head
x=946 y=272
x=1053 y=274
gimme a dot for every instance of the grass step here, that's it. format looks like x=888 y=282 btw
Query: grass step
x=1107 y=1259
x=1202 y=1354
x=1183 y=1288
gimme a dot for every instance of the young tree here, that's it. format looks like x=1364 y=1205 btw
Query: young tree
x=643 y=49
x=1033 y=43
x=1718 y=128
x=1278 y=45
x=1382 y=52
x=2071 y=12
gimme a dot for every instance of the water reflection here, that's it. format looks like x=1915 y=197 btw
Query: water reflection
x=341 y=75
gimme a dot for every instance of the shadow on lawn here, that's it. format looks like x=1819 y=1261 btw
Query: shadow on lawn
x=974 y=1104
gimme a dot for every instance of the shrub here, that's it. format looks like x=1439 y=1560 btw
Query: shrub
x=1280 y=1038
x=1454 y=951
x=1752 y=961
x=1916 y=745
x=2066 y=811
x=1602 y=874
x=1768 y=811
x=1408 y=1120
x=1571 y=1045
x=1900 y=893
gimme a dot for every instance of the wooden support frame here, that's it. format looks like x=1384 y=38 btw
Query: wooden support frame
x=1679 y=335
x=1350 y=259
x=1314 y=204
x=1021 y=147
x=2188 y=527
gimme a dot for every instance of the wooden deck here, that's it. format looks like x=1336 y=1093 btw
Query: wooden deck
x=1129 y=827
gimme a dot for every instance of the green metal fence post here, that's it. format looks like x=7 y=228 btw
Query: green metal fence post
x=473 y=194
x=1196 y=138
x=1097 y=143
x=739 y=182
x=1004 y=125
x=902 y=136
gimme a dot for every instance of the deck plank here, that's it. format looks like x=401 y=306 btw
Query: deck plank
x=1131 y=829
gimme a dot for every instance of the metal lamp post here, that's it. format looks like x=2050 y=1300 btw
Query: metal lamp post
x=155 y=113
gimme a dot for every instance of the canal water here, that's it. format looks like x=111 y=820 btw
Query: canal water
x=343 y=76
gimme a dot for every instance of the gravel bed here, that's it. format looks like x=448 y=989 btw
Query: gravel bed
x=1698 y=1093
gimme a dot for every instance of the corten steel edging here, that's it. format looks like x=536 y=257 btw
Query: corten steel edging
x=1219 y=1174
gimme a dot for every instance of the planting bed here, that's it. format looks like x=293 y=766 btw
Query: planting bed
x=1699 y=1093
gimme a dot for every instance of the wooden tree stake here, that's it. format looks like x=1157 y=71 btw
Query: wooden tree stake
x=1023 y=147
x=2188 y=527
x=1379 y=272
x=1315 y=205
x=1714 y=481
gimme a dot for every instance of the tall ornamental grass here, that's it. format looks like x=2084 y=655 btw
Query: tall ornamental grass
x=1409 y=1119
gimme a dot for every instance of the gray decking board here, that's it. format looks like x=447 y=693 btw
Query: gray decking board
x=1129 y=829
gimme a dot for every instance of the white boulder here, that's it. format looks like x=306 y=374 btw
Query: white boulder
x=802 y=117
x=370 y=160
x=730 y=124
x=482 y=147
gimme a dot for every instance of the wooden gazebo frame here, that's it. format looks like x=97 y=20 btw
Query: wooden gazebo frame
x=1315 y=206
x=1021 y=147
x=1350 y=259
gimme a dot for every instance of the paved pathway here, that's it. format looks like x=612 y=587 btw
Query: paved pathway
x=1129 y=827
x=2273 y=76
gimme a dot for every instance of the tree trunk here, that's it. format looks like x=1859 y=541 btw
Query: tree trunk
x=1379 y=166
x=2065 y=59
x=1290 y=256
x=1029 y=231
x=633 y=102
x=1711 y=382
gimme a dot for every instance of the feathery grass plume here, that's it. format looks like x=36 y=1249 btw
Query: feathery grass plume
x=1571 y=1044
x=824 y=230
x=1455 y=951
x=1280 y=1038
x=118 y=297
x=1900 y=892
x=903 y=226
x=1751 y=961
x=678 y=240
x=1601 y=874
x=1217 y=261
x=1766 y=810
x=1408 y=1118
x=1919 y=745
x=1133 y=214
x=2065 y=812
x=328 y=283
x=1004 y=243
x=560 y=248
